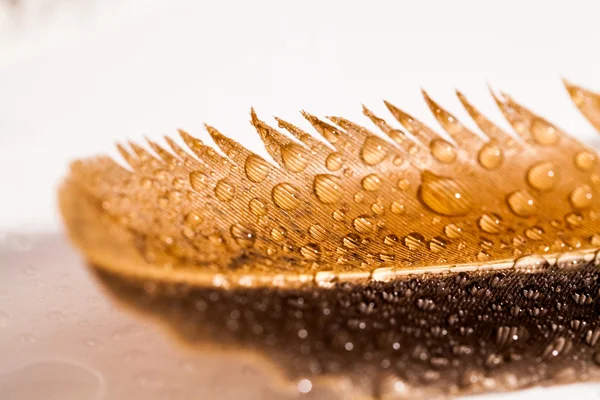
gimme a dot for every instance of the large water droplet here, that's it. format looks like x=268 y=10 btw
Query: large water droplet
x=198 y=180
x=491 y=155
x=543 y=133
x=585 y=160
x=371 y=182
x=286 y=196
x=374 y=150
x=443 y=195
x=363 y=224
x=295 y=157
x=334 y=161
x=327 y=188
x=490 y=223
x=542 y=176
x=257 y=169
x=224 y=190
x=243 y=235
x=443 y=151
x=582 y=196
x=522 y=203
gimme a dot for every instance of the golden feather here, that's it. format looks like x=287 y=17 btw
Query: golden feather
x=476 y=257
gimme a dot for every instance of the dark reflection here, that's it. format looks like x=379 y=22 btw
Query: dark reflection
x=416 y=337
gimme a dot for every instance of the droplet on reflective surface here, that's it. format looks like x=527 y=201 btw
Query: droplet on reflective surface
x=443 y=195
x=391 y=240
x=374 y=150
x=224 y=190
x=311 y=251
x=334 y=161
x=256 y=168
x=327 y=188
x=295 y=157
x=491 y=156
x=286 y=196
x=437 y=244
x=414 y=241
x=581 y=196
x=363 y=224
x=351 y=240
x=542 y=176
x=443 y=151
x=522 y=203
x=198 y=180
x=397 y=208
x=585 y=160
x=534 y=233
x=453 y=231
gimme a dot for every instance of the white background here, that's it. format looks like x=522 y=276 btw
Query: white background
x=75 y=77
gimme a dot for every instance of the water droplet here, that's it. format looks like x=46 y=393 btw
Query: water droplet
x=374 y=150
x=243 y=235
x=256 y=168
x=278 y=234
x=311 y=251
x=198 y=180
x=522 y=203
x=534 y=233
x=542 y=176
x=286 y=196
x=437 y=244
x=490 y=223
x=224 y=190
x=585 y=160
x=397 y=208
x=257 y=207
x=371 y=182
x=574 y=219
x=453 y=231
x=491 y=155
x=377 y=208
x=543 y=133
x=363 y=224
x=482 y=256
x=318 y=233
x=414 y=241
x=391 y=240
x=403 y=184
x=327 y=188
x=295 y=157
x=359 y=197
x=334 y=161
x=581 y=196
x=351 y=241
x=339 y=215
x=443 y=195
x=443 y=151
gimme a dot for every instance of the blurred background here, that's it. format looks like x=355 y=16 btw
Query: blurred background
x=77 y=76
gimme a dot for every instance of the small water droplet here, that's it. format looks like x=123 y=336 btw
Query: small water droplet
x=542 y=176
x=543 y=133
x=443 y=151
x=374 y=150
x=491 y=155
x=311 y=251
x=278 y=234
x=318 y=233
x=351 y=241
x=391 y=240
x=585 y=160
x=256 y=168
x=198 y=180
x=224 y=190
x=534 y=233
x=286 y=196
x=581 y=196
x=522 y=203
x=257 y=207
x=490 y=223
x=403 y=184
x=574 y=219
x=443 y=195
x=414 y=241
x=243 y=235
x=295 y=157
x=397 y=208
x=377 y=208
x=371 y=182
x=437 y=244
x=453 y=231
x=363 y=224
x=334 y=161
x=327 y=188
